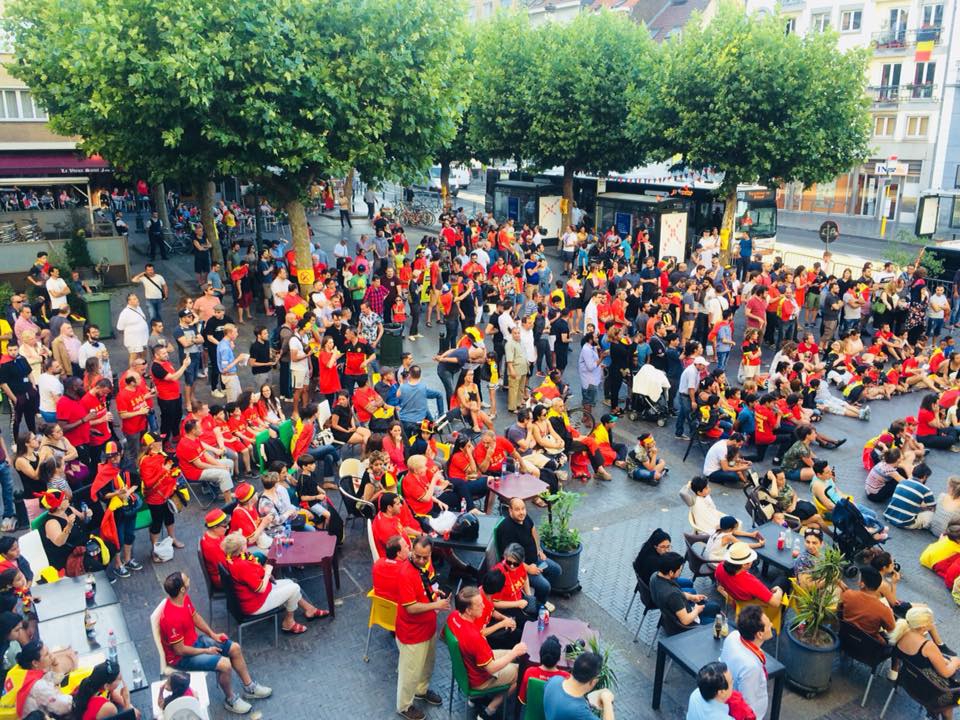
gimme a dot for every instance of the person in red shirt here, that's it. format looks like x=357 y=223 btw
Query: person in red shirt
x=491 y=452
x=486 y=667
x=187 y=650
x=394 y=518
x=159 y=478
x=259 y=592
x=197 y=466
x=216 y=522
x=74 y=418
x=133 y=408
x=96 y=400
x=418 y=601
x=550 y=653
x=167 y=382
x=734 y=576
x=516 y=593
x=386 y=568
x=418 y=486
x=110 y=484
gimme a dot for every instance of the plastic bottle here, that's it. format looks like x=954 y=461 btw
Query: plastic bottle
x=781 y=541
x=718 y=626
x=540 y=619
x=112 y=646
x=546 y=616
x=288 y=532
x=278 y=540
x=137 y=680
x=788 y=539
x=796 y=546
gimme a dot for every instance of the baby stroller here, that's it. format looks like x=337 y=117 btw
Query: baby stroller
x=851 y=533
x=649 y=393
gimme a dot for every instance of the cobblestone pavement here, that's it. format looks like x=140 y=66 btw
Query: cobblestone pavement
x=322 y=675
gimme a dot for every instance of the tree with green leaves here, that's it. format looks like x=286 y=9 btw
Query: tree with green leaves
x=740 y=96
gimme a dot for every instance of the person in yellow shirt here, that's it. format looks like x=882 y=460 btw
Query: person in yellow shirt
x=946 y=546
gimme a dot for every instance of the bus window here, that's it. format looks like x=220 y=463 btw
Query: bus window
x=759 y=220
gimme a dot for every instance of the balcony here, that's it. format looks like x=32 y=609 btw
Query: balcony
x=887 y=95
x=791 y=4
x=899 y=39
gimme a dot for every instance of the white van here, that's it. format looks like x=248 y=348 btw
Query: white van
x=459 y=179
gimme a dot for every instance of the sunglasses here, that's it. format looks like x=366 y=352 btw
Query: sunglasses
x=511 y=563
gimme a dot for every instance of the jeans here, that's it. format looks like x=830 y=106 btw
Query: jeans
x=327 y=456
x=685 y=415
x=447 y=377
x=934 y=326
x=954 y=311
x=6 y=487
x=467 y=490
x=541 y=583
x=722 y=359
x=153 y=308
x=588 y=395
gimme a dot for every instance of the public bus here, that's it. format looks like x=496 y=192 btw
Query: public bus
x=510 y=193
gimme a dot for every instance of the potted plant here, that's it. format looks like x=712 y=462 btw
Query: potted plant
x=560 y=541
x=607 y=678
x=812 y=645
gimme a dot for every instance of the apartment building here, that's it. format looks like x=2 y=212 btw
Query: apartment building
x=912 y=76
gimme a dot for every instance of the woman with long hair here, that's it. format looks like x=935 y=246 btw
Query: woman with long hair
x=910 y=637
x=468 y=398
x=54 y=443
x=158 y=473
x=27 y=463
x=647 y=561
x=101 y=694
x=269 y=406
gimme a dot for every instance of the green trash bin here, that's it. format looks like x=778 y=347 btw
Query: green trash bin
x=98 y=313
x=391 y=345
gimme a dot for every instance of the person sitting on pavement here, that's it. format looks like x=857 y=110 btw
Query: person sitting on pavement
x=734 y=576
x=912 y=504
x=486 y=667
x=207 y=651
x=386 y=568
x=518 y=528
x=719 y=468
x=649 y=467
x=258 y=592
x=884 y=477
x=746 y=661
x=550 y=653
x=680 y=610
x=797 y=462
x=574 y=697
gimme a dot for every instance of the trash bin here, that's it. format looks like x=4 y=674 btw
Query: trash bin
x=391 y=345
x=98 y=313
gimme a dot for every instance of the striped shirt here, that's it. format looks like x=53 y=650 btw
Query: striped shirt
x=908 y=500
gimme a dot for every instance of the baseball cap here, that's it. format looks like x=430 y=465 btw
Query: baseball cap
x=910 y=420
x=185 y=313
x=609 y=418
x=111 y=448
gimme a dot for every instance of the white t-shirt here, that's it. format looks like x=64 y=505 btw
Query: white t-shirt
x=716 y=453
x=936 y=305
x=57 y=285
x=279 y=287
x=153 y=286
x=303 y=364
x=50 y=389
x=569 y=241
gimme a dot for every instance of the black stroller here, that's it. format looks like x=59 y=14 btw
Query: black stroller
x=648 y=396
x=850 y=530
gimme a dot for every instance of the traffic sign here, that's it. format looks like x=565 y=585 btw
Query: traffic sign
x=829 y=231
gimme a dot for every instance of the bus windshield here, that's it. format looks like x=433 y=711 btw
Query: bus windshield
x=758 y=219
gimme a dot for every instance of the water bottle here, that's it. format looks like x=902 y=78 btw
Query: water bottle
x=718 y=626
x=112 y=646
x=796 y=546
x=137 y=680
x=788 y=537
x=278 y=540
x=540 y=619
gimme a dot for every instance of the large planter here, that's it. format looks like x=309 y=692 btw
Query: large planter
x=809 y=667
x=569 y=562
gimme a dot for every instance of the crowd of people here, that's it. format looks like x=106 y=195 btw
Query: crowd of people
x=310 y=390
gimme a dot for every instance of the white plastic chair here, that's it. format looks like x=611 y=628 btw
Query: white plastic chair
x=31 y=547
x=198 y=684
x=371 y=541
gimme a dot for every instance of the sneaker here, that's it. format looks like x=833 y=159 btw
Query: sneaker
x=892 y=675
x=257 y=691
x=412 y=713
x=122 y=572
x=946 y=650
x=238 y=706
x=202 y=373
x=134 y=565
x=432 y=697
x=682 y=436
x=412 y=338
x=218 y=393
x=9 y=523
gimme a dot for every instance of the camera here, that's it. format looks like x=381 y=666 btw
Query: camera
x=896 y=566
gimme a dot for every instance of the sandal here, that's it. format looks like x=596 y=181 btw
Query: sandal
x=318 y=615
x=539 y=502
x=295 y=629
x=178 y=545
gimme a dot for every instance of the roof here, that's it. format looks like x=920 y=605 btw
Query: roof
x=673 y=15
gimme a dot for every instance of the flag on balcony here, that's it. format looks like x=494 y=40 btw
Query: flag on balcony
x=924 y=48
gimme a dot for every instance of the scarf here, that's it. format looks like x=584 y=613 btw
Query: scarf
x=757 y=652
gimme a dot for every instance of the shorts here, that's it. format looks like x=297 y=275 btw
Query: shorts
x=813 y=301
x=298 y=379
x=204 y=663
x=135 y=349
x=567 y=256
x=855 y=394
x=794 y=476
x=190 y=374
x=804 y=510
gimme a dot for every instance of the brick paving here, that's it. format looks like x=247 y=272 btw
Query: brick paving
x=322 y=675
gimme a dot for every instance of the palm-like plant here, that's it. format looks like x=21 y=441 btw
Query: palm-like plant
x=607 y=677
x=815 y=603
x=555 y=532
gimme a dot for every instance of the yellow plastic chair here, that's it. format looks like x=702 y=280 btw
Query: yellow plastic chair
x=383 y=613
x=821 y=509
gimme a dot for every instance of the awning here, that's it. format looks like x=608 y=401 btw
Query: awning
x=51 y=164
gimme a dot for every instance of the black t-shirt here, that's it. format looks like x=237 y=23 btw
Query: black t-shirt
x=16 y=374
x=509 y=531
x=260 y=351
x=668 y=596
x=560 y=328
x=344 y=417
x=309 y=485
x=338 y=335
x=214 y=328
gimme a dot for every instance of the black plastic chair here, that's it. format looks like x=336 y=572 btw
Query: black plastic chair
x=643 y=589
x=699 y=565
x=863 y=648
x=918 y=686
x=700 y=441
x=243 y=620
x=212 y=592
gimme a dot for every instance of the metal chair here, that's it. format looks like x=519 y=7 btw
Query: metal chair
x=863 y=648
x=383 y=613
x=356 y=508
x=243 y=620
x=648 y=604
x=700 y=441
x=700 y=566
x=917 y=685
x=212 y=592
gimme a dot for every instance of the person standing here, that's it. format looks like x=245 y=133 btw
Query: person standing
x=167 y=382
x=418 y=602
x=228 y=361
x=57 y=289
x=370 y=199
x=590 y=371
x=155 y=235
x=517 y=370
x=213 y=334
x=154 y=289
x=189 y=344
x=74 y=418
x=19 y=388
x=201 y=254
x=343 y=200
x=133 y=324
x=133 y=408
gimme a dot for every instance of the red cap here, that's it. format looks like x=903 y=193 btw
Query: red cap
x=243 y=492
x=910 y=420
x=215 y=517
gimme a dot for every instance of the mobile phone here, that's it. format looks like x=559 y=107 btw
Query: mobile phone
x=542 y=565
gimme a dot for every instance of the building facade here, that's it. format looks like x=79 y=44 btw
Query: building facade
x=912 y=76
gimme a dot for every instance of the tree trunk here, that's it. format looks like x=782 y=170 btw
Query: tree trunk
x=301 y=245
x=568 y=196
x=348 y=188
x=445 y=182
x=728 y=224
x=207 y=191
x=159 y=199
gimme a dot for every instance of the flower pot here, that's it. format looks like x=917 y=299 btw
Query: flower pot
x=809 y=666
x=569 y=562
